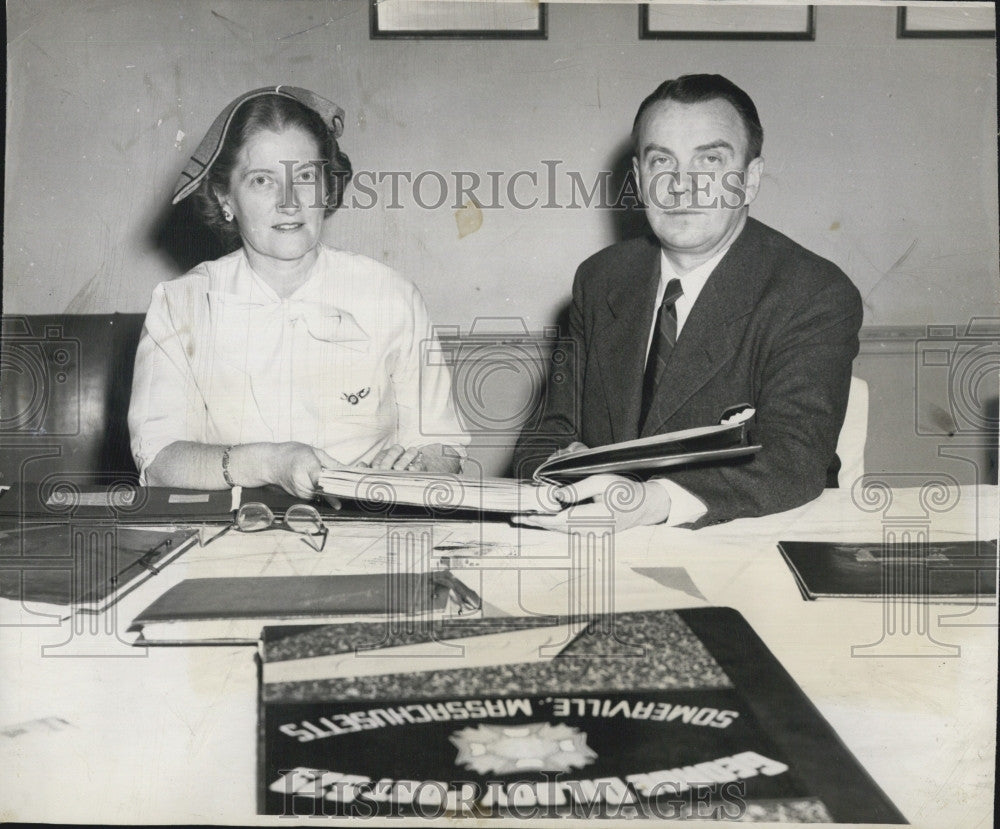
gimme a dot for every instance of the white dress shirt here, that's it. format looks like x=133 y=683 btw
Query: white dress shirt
x=691 y=283
x=344 y=364
x=685 y=508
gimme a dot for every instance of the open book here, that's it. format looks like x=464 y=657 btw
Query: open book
x=451 y=492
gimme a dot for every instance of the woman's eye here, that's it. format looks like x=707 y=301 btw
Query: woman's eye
x=259 y=181
x=307 y=176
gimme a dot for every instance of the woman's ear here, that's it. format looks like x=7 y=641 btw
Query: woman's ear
x=224 y=204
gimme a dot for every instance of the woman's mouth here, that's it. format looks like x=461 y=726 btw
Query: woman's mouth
x=287 y=227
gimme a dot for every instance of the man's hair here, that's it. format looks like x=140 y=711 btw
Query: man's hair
x=693 y=89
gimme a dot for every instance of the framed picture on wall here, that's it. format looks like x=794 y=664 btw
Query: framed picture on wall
x=937 y=21
x=668 y=21
x=458 y=19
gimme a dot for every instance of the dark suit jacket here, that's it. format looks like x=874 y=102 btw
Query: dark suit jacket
x=775 y=326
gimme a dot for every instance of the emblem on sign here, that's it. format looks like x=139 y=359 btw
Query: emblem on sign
x=506 y=749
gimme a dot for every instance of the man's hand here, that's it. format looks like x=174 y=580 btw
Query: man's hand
x=434 y=458
x=620 y=501
x=575 y=446
x=295 y=467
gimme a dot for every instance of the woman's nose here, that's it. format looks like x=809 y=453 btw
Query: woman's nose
x=289 y=202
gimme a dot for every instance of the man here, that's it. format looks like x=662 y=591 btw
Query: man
x=717 y=311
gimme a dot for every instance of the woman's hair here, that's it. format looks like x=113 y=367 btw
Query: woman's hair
x=275 y=113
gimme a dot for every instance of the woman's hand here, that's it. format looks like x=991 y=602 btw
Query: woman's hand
x=295 y=467
x=616 y=500
x=433 y=458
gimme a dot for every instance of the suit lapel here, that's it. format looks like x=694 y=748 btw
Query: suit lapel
x=621 y=336
x=706 y=342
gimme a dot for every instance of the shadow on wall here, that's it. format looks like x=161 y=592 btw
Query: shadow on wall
x=626 y=216
x=182 y=239
x=626 y=220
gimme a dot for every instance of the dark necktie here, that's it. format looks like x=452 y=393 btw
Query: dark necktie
x=664 y=337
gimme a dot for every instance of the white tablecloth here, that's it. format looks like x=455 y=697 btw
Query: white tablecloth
x=92 y=729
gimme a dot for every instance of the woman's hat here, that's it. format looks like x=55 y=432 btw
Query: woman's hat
x=211 y=145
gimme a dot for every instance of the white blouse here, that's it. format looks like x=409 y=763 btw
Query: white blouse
x=348 y=363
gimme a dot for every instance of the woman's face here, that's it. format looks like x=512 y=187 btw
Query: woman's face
x=277 y=194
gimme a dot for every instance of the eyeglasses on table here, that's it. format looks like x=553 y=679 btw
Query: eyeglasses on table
x=303 y=519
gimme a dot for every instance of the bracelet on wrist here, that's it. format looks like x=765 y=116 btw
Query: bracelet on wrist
x=225 y=468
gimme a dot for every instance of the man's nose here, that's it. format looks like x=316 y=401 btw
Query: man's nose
x=680 y=181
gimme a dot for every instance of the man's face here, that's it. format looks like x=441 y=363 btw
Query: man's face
x=694 y=177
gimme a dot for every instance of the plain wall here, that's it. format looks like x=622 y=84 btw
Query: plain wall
x=881 y=153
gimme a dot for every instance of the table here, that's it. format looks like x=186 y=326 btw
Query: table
x=93 y=730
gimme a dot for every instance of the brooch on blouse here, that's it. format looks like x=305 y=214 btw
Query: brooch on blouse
x=356 y=397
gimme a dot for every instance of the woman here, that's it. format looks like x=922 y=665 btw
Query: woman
x=286 y=356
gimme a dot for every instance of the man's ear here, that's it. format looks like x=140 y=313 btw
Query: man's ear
x=755 y=169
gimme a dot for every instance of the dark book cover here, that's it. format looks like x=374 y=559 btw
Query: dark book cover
x=66 y=501
x=82 y=566
x=212 y=611
x=931 y=571
x=661 y=715
x=61 y=500
x=350 y=509
x=689 y=446
x=279 y=597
